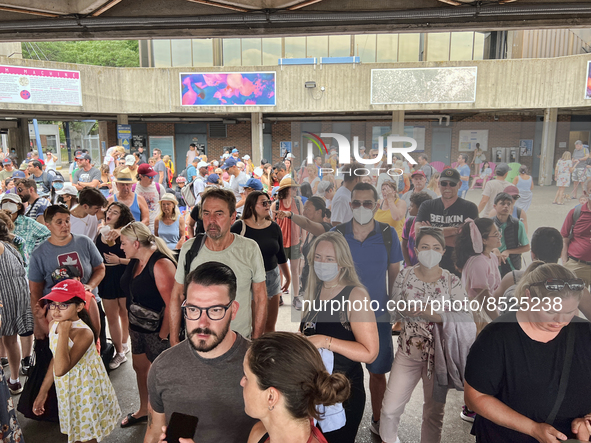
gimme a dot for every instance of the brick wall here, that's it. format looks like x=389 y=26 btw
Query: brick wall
x=282 y=132
x=237 y=135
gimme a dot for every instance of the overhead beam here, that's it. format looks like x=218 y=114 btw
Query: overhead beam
x=220 y=5
x=303 y=4
x=105 y=7
x=28 y=11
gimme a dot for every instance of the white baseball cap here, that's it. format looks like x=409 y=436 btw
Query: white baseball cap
x=246 y=157
x=68 y=189
x=129 y=160
x=202 y=164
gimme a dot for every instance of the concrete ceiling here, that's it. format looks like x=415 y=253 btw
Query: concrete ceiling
x=35 y=20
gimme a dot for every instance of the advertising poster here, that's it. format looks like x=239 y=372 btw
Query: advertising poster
x=588 y=81
x=228 y=89
x=35 y=86
x=469 y=139
x=526 y=148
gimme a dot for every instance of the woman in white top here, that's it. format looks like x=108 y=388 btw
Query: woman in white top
x=50 y=160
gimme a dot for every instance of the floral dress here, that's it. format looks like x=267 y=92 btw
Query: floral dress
x=563 y=172
x=416 y=338
x=87 y=403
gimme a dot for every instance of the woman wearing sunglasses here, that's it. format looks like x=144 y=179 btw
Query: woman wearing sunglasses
x=257 y=225
x=527 y=374
x=147 y=282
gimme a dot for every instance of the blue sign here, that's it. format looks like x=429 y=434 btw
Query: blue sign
x=125 y=144
x=124 y=132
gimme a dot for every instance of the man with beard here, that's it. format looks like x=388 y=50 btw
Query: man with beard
x=26 y=188
x=212 y=355
x=241 y=254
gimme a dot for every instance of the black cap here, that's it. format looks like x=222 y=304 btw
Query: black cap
x=450 y=174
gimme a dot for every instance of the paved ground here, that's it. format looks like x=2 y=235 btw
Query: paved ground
x=541 y=213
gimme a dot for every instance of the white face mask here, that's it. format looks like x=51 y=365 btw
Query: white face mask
x=10 y=207
x=326 y=271
x=429 y=258
x=362 y=215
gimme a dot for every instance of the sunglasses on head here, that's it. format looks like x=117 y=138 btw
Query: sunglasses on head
x=367 y=204
x=557 y=284
x=445 y=184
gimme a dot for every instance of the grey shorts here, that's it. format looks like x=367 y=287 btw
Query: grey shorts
x=147 y=343
x=579 y=174
x=273 y=282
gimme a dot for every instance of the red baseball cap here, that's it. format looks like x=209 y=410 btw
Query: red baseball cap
x=146 y=169
x=66 y=290
x=419 y=172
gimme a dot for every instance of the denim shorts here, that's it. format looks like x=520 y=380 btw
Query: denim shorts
x=273 y=282
x=147 y=343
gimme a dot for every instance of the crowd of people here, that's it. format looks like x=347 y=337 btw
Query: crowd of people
x=105 y=261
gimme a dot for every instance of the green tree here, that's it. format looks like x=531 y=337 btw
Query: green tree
x=116 y=53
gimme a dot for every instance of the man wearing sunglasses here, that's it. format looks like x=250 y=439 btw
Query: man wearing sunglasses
x=377 y=254
x=201 y=376
x=448 y=212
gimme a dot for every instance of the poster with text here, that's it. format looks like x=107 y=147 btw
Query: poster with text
x=35 y=86
x=228 y=89
x=469 y=140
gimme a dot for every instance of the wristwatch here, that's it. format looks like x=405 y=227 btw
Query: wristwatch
x=290 y=214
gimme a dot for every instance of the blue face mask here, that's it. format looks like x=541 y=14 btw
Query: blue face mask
x=58 y=186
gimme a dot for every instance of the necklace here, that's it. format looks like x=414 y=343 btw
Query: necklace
x=330 y=287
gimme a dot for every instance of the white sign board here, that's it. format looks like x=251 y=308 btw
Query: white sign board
x=35 y=86
x=469 y=139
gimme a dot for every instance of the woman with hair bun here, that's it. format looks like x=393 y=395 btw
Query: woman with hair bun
x=147 y=283
x=283 y=399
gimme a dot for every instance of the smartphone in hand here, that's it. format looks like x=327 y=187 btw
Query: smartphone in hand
x=180 y=426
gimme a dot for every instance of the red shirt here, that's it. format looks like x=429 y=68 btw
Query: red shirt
x=580 y=245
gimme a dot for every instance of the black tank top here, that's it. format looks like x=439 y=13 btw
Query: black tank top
x=337 y=325
x=142 y=289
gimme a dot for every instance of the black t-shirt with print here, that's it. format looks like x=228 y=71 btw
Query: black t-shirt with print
x=524 y=374
x=437 y=215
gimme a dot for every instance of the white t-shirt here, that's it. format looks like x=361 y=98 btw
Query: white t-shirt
x=235 y=186
x=491 y=189
x=340 y=209
x=198 y=188
x=152 y=197
x=191 y=156
x=87 y=226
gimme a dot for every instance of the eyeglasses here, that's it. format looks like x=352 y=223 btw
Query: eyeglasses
x=557 y=284
x=19 y=189
x=446 y=184
x=130 y=224
x=214 y=313
x=266 y=204
x=59 y=306
x=367 y=204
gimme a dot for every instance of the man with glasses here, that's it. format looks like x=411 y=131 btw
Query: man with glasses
x=27 y=191
x=241 y=254
x=448 y=212
x=376 y=252
x=201 y=376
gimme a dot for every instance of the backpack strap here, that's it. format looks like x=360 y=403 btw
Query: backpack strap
x=133 y=187
x=576 y=215
x=157 y=187
x=193 y=252
x=243 y=230
x=386 y=237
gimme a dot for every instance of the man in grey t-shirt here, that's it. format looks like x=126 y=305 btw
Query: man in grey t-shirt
x=201 y=375
x=159 y=167
x=86 y=175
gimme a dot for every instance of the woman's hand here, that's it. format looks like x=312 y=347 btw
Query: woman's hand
x=39 y=404
x=581 y=427
x=544 y=433
x=113 y=235
x=319 y=341
x=111 y=258
x=280 y=215
x=285 y=286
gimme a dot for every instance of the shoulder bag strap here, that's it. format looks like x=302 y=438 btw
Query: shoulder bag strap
x=243 y=230
x=568 y=359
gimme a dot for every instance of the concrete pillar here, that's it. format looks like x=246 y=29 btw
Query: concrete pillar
x=548 y=146
x=398 y=123
x=11 y=49
x=18 y=138
x=256 y=134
